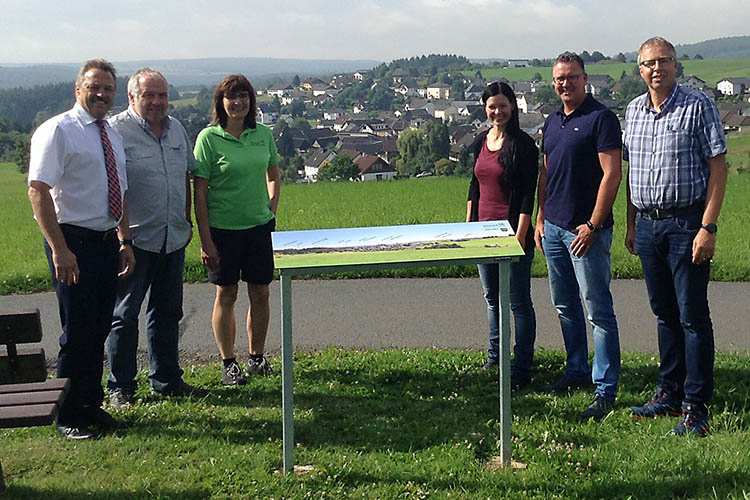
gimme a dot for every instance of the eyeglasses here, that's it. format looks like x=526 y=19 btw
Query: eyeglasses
x=238 y=95
x=571 y=78
x=651 y=63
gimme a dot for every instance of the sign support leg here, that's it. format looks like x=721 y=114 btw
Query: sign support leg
x=287 y=383
x=504 y=368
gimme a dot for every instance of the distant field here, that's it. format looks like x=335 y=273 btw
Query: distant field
x=713 y=70
x=614 y=70
x=708 y=70
x=180 y=103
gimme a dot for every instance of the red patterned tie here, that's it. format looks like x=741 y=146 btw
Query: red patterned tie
x=113 y=181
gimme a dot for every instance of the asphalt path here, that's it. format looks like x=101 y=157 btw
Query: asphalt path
x=409 y=313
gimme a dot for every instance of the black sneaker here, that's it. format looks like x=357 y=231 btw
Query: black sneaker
x=181 y=389
x=232 y=375
x=75 y=433
x=119 y=400
x=661 y=404
x=564 y=384
x=599 y=409
x=694 y=421
x=261 y=367
x=104 y=421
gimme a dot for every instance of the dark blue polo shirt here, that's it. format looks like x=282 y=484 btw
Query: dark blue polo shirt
x=572 y=145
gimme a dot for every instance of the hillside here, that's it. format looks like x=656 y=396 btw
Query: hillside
x=183 y=72
x=718 y=48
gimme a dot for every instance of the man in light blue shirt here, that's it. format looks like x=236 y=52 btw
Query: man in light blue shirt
x=158 y=161
x=677 y=176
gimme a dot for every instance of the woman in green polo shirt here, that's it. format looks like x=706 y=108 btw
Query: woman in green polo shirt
x=237 y=188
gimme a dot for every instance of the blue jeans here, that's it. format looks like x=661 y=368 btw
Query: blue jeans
x=678 y=293
x=159 y=275
x=523 y=312
x=589 y=274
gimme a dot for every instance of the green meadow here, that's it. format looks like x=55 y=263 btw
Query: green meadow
x=23 y=267
x=180 y=103
x=708 y=70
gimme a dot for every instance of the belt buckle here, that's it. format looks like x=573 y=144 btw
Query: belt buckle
x=657 y=214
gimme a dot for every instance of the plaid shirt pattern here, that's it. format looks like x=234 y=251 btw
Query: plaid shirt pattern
x=668 y=150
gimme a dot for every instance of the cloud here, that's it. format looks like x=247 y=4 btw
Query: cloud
x=349 y=29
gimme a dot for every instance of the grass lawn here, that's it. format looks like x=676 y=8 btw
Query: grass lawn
x=739 y=154
x=23 y=267
x=395 y=424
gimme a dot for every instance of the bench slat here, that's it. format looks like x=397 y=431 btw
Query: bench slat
x=31 y=398
x=28 y=416
x=21 y=327
x=49 y=385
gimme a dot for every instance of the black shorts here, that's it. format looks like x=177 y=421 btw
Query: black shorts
x=245 y=254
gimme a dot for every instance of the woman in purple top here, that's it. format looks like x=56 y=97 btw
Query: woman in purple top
x=502 y=187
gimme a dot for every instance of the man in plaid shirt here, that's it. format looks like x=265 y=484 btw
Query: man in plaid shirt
x=674 y=141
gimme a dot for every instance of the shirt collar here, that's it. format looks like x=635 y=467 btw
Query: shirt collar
x=582 y=107
x=143 y=123
x=665 y=105
x=219 y=130
x=82 y=115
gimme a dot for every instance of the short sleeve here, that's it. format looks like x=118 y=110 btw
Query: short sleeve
x=202 y=154
x=626 y=135
x=710 y=130
x=189 y=158
x=273 y=158
x=608 y=133
x=47 y=156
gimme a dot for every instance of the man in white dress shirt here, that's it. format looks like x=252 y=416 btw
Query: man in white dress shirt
x=77 y=187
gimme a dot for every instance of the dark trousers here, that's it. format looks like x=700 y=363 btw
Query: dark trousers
x=678 y=293
x=86 y=317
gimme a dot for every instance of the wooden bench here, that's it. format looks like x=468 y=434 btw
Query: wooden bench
x=27 y=398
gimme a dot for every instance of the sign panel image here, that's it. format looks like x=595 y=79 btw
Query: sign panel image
x=393 y=244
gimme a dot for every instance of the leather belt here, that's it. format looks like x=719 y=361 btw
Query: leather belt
x=88 y=234
x=671 y=213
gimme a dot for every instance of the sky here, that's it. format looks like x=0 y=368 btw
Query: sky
x=70 y=31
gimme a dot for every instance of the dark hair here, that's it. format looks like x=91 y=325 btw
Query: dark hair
x=570 y=57
x=508 y=156
x=101 y=64
x=228 y=86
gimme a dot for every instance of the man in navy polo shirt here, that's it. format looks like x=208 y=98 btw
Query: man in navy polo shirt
x=577 y=187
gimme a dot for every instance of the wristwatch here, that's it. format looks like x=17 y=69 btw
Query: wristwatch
x=711 y=227
x=126 y=242
x=591 y=226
